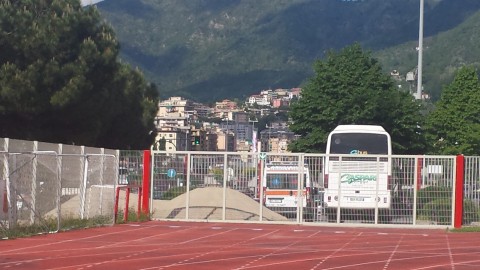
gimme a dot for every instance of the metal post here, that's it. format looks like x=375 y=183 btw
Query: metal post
x=11 y=204
x=458 y=194
x=146 y=181
x=59 y=185
x=33 y=187
x=187 y=199
x=226 y=137
x=300 y=184
x=84 y=183
x=420 y=52
x=127 y=201
x=224 y=190
x=417 y=185
x=262 y=168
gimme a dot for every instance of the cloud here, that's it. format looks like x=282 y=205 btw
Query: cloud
x=90 y=2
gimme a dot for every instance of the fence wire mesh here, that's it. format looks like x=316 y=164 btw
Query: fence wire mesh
x=130 y=183
x=311 y=188
x=471 y=202
x=49 y=187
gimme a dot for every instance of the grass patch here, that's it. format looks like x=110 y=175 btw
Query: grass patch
x=51 y=225
x=133 y=216
x=76 y=223
x=466 y=229
x=26 y=230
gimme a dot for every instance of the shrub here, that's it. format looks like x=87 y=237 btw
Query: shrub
x=50 y=224
x=471 y=212
x=173 y=192
x=432 y=193
x=133 y=216
x=439 y=210
x=135 y=179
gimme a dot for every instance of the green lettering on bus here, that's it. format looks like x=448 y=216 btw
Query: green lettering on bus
x=358 y=178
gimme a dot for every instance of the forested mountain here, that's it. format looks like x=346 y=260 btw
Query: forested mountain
x=212 y=49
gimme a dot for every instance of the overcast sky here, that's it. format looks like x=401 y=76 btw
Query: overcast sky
x=88 y=2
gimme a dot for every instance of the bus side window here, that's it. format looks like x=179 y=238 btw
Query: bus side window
x=292 y=182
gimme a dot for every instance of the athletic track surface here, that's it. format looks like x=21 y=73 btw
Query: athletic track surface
x=190 y=245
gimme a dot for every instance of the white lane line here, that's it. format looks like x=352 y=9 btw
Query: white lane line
x=73 y=240
x=450 y=252
x=336 y=251
x=247 y=265
x=393 y=253
x=186 y=261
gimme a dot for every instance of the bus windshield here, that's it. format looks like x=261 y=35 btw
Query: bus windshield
x=283 y=181
x=359 y=143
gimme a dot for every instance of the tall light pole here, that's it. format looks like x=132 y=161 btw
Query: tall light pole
x=226 y=134
x=420 y=52
x=269 y=136
x=254 y=136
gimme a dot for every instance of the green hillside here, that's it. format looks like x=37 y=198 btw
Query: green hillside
x=212 y=49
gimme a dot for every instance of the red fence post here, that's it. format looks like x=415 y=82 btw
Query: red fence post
x=127 y=200
x=419 y=173
x=459 y=178
x=117 y=195
x=146 y=182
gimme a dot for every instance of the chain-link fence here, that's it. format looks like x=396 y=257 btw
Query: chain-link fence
x=53 y=186
x=311 y=188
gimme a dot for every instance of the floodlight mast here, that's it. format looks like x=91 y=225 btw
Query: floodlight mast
x=420 y=52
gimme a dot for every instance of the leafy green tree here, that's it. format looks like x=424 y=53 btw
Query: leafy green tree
x=350 y=88
x=161 y=144
x=60 y=80
x=454 y=125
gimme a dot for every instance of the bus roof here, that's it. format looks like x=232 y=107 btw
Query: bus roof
x=359 y=128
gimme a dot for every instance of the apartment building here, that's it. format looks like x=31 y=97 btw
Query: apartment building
x=172 y=124
x=276 y=138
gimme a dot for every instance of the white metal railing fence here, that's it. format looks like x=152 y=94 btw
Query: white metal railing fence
x=227 y=186
x=471 y=199
x=42 y=182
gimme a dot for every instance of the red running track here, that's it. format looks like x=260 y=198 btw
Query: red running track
x=189 y=245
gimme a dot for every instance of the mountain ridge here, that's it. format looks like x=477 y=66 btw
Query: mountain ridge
x=212 y=49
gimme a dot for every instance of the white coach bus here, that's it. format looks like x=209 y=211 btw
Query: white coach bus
x=280 y=187
x=358 y=168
